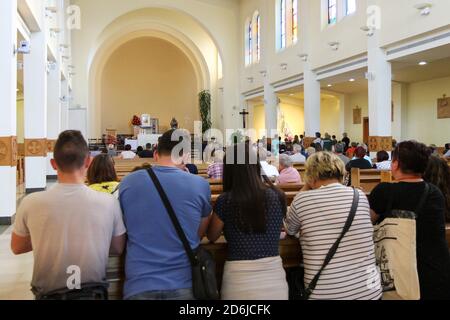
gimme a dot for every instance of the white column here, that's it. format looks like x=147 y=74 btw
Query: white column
x=53 y=112
x=271 y=102
x=380 y=91
x=64 y=105
x=312 y=102
x=8 y=110
x=35 y=94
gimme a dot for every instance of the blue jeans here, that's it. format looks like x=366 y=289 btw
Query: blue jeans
x=180 y=294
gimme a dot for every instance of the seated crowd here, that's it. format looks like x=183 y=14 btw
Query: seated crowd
x=77 y=225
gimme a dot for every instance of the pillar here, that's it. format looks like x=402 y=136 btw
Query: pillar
x=65 y=105
x=312 y=104
x=8 y=111
x=53 y=113
x=35 y=95
x=380 y=97
x=271 y=102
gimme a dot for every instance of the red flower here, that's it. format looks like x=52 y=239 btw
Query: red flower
x=136 y=121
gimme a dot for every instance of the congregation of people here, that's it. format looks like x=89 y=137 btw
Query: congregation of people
x=88 y=216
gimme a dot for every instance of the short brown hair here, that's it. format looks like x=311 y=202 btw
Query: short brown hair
x=412 y=157
x=71 y=151
x=102 y=170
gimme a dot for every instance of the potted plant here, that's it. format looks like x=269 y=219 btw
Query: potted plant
x=205 y=109
x=136 y=123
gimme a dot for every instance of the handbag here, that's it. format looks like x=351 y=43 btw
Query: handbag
x=204 y=282
x=396 y=251
x=298 y=291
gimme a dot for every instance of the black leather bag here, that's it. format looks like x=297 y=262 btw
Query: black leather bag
x=295 y=278
x=204 y=283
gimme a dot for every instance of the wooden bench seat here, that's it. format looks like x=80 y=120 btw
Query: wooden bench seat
x=290 y=252
x=367 y=180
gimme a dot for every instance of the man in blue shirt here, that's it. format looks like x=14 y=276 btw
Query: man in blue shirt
x=157 y=266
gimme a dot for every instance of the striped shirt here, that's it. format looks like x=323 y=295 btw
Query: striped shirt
x=320 y=215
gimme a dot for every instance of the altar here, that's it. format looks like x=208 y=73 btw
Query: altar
x=143 y=139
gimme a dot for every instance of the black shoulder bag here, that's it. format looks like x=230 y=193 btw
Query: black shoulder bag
x=302 y=293
x=204 y=283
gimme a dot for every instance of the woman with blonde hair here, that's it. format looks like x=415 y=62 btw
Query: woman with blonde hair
x=334 y=222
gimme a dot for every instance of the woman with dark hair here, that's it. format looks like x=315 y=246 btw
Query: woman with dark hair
x=383 y=162
x=102 y=175
x=250 y=212
x=447 y=151
x=409 y=163
x=438 y=173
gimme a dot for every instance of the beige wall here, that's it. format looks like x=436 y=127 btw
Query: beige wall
x=421 y=115
x=415 y=112
x=148 y=75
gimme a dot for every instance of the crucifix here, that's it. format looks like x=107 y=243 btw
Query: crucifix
x=244 y=114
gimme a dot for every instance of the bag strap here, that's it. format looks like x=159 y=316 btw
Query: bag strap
x=173 y=217
x=335 y=246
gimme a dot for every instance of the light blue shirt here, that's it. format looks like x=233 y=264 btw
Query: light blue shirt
x=156 y=259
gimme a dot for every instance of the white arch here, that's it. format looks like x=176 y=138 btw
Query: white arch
x=123 y=30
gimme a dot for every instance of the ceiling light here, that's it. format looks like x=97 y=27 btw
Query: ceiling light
x=329 y=86
x=352 y=80
x=291 y=94
x=423 y=63
x=424 y=8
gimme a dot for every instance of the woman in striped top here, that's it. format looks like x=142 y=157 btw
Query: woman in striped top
x=319 y=213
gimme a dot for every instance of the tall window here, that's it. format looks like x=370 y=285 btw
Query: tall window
x=283 y=24
x=248 y=43
x=332 y=11
x=350 y=7
x=294 y=21
x=258 y=37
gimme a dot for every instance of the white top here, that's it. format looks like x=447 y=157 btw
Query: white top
x=69 y=225
x=385 y=165
x=269 y=170
x=298 y=158
x=128 y=155
x=320 y=215
x=447 y=155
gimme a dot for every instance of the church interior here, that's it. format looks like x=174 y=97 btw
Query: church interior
x=125 y=72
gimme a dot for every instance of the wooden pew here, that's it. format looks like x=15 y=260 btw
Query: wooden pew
x=367 y=180
x=448 y=234
x=290 y=252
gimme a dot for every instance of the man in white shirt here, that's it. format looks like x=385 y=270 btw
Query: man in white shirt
x=297 y=157
x=128 y=154
x=70 y=228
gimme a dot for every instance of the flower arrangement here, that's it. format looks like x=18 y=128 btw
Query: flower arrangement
x=136 y=121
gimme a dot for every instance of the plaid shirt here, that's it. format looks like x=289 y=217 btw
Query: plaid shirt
x=215 y=171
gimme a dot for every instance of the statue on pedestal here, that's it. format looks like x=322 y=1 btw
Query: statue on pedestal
x=174 y=124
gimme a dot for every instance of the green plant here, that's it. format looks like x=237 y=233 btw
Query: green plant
x=205 y=109
x=237 y=137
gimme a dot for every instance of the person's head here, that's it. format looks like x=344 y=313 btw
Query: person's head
x=327 y=136
x=218 y=155
x=148 y=146
x=297 y=149
x=296 y=138
x=339 y=148
x=410 y=158
x=262 y=154
x=360 y=153
x=447 y=146
x=243 y=182
x=382 y=156
x=345 y=135
x=302 y=136
x=324 y=166
x=284 y=162
x=104 y=150
x=333 y=137
x=101 y=170
x=71 y=154
x=128 y=147
x=318 y=135
x=354 y=145
x=438 y=173
x=168 y=148
x=140 y=149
